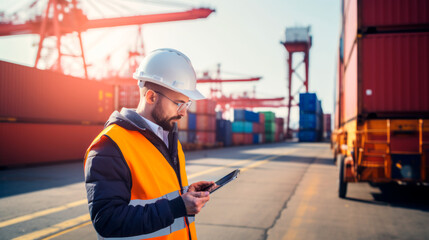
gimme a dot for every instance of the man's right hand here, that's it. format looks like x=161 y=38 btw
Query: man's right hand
x=194 y=201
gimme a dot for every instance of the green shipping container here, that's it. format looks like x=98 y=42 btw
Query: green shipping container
x=269 y=116
x=270 y=127
x=270 y=137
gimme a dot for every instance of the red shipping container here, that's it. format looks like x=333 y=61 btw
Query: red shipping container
x=393 y=77
x=237 y=138
x=327 y=122
x=261 y=118
x=206 y=106
x=206 y=137
x=30 y=94
x=29 y=143
x=248 y=138
x=129 y=96
x=206 y=122
x=382 y=15
x=256 y=127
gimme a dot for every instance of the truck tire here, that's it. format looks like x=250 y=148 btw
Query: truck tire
x=342 y=185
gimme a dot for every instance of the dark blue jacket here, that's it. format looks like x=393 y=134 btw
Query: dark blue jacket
x=108 y=184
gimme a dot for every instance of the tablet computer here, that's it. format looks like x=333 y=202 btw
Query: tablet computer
x=223 y=181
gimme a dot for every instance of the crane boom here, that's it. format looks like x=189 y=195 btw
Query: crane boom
x=209 y=80
x=77 y=21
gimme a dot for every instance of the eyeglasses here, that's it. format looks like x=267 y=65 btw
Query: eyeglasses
x=180 y=105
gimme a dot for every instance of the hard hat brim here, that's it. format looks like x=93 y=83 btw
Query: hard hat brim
x=192 y=94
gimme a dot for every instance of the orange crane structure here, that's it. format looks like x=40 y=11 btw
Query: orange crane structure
x=64 y=17
x=298 y=40
x=243 y=101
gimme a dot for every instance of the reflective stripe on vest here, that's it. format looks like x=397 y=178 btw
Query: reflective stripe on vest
x=153 y=179
x=178 y=224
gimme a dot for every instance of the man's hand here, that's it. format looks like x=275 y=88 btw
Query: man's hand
x=194 y=201
x=201 y=186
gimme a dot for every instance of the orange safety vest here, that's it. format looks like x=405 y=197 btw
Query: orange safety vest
x=153 y=178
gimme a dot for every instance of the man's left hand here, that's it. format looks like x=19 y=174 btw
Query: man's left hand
x=201 y=186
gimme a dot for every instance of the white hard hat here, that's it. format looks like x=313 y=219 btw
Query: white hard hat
x=171 y=69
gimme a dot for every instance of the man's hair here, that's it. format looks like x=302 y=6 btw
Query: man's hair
x=154 y=87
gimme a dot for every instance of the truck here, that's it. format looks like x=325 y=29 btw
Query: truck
x=381 y=121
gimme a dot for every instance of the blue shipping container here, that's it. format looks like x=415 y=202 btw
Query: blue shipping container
x=255 y=138
x=307 y=136
x=245 y=116
x=308 y=102
x=308 y=121
x=192 y=121
x=224 y=132
x=242 y=127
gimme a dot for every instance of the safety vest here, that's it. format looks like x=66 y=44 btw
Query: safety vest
x=153 y=179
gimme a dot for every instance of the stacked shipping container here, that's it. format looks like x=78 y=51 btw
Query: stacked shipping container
x=382 y=104
x=242 y=127
x=270 y=126
x=310 y=118
x=53 y=117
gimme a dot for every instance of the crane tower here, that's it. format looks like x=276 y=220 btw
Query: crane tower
x=298 y=40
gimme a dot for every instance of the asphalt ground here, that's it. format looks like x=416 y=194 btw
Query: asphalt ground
x=284 y=191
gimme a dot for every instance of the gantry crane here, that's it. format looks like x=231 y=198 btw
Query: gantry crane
x=65 y=16
x=242 y=101
x=298 y=40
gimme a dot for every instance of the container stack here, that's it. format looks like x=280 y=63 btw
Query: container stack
x=224 y=132
x=261 y=127
x=187 y=127
x=327 y=126
x=242 y=127
x=310 y=118
x=279 y=135
x=52 y=116
x=129 y=96
x=270 y=126
x=206 y=123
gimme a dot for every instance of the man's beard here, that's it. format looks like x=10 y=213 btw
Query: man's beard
x=166 y=123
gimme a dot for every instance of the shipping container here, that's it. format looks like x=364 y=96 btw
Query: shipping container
x=270 y=127
x=307 y=136
x=205 y=137
x=382 y=111
x=237 y=139
x=205 y=106
x=245 y=115
x=206 y=122
x=224 y=132
x=34 y=143
x=383 y=16
x=242 y=127
x=129 y=96
x=308 y=102
x=393 y=77
x=192 y=121
x=269 y=116
x=31 y=95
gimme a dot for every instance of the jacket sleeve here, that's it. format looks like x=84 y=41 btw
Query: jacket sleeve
x=108 y=186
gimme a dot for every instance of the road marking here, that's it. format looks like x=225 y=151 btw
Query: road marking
x=302 y=209
x=67 y=231
x=81 y=221
x=42 y=213
x=55 y=228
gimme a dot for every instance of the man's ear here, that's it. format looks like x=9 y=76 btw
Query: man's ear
x=150 y=97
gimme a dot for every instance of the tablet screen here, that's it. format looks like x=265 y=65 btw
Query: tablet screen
x=226 y=179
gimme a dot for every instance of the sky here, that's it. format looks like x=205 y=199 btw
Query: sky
x=243 y=36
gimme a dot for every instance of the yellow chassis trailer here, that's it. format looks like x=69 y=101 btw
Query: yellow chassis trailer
x=382 y=151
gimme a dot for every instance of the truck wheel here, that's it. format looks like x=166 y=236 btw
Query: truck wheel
x=342 y=185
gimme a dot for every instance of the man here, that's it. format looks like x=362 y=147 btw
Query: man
x=135 y=174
